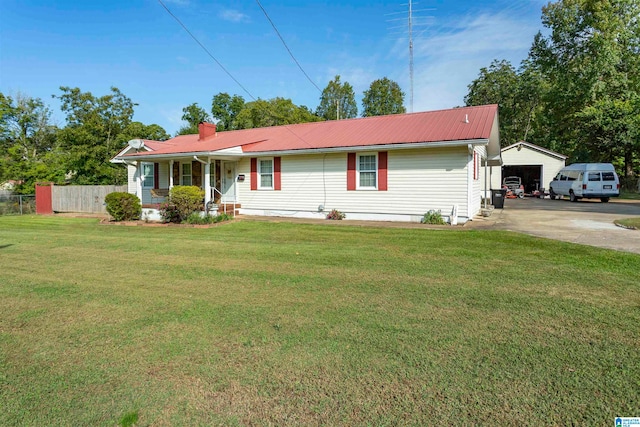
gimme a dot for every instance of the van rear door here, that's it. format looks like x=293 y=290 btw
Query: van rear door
x=601 y=184
x=593 y=183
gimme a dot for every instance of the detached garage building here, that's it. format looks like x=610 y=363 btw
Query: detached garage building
x=536 y=166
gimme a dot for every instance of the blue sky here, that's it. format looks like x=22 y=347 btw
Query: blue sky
x=139 y=48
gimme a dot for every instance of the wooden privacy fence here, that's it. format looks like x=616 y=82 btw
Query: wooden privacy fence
x=82 y=198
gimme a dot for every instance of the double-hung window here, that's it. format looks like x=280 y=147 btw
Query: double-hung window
x=265 y=173
x=367 y=171
x=147 y=175
x=186 y=174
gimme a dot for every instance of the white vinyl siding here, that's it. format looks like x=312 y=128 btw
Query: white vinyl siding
x=478 y=184
x=418 y=180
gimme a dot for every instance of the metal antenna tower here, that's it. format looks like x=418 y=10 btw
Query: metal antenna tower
x=411 y=55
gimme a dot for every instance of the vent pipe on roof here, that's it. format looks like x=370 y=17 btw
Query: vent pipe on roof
x=466 y=118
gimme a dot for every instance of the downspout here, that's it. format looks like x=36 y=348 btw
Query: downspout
x=470 y=173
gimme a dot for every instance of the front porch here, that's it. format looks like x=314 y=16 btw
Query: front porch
x=216 y=177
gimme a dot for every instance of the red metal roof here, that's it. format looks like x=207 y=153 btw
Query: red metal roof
x=459 y=124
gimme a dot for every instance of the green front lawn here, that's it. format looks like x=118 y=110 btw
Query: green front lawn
x=258 y=323
x=629 y=222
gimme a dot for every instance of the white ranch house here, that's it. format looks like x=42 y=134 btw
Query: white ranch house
x=390 y=168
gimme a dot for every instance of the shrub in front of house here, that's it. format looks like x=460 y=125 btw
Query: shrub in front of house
x=183 y=201
x=433 y=217
x=336 y=214
x=169 y=213
x=196 y=218
x=123 y=206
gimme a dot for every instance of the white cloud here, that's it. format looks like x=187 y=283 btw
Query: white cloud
x=234 y=16
x=446 y=62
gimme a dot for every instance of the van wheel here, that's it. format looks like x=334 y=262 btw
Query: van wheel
x=573 y=197
x=604 y=199
x=552 y=195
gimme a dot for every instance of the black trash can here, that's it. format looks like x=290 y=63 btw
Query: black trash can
x=497 y=198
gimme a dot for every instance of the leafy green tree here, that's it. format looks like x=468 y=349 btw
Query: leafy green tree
x=592 y=63
x=28 y=146
x=92 y=134
x=193 y=115
x=518 y=95
x=225 y=109
x=139 y=130
x=384 y=96
x=273 y=112
x=337 y=99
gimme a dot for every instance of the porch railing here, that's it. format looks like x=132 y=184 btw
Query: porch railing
x=214 y=190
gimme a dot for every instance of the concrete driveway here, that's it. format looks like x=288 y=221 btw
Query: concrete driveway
x=585 y=222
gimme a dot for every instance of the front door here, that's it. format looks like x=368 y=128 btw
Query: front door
x=228 y=182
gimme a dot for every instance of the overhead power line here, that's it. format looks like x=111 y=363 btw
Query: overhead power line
x=287 y=47
x=228 y=73
x=206 y=50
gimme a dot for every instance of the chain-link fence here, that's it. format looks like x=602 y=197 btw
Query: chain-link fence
x=17 y=205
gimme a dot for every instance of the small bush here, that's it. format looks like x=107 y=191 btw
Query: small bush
x=186 y=199
x=336 y=215
x=196 y=218
x=169 y=213
x=123 y=206
x=433 y=217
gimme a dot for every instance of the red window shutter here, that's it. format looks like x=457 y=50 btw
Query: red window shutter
x=254 y=173
x=276 y=173
x=156 y=175
x=475 y=165
x=382 y=171
x=351 y=171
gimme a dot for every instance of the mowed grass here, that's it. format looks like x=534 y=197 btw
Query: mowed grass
x=629 y=222
x=257 y=323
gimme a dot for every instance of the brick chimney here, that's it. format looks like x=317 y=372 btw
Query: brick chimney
x=206 y=130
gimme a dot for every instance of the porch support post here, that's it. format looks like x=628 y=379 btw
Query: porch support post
x=139 y=180
x=171 y=174
x=207 y=183
x=485 y=180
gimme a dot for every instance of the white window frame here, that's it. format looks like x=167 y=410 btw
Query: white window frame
x=260 y=173
x=182 y=174
x=147 y=177
x=375 y=171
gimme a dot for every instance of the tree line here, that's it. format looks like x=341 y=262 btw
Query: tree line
x=33 y=149
x=578 y=91
x=337 y=101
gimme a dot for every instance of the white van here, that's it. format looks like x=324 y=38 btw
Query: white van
x=586 y=180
